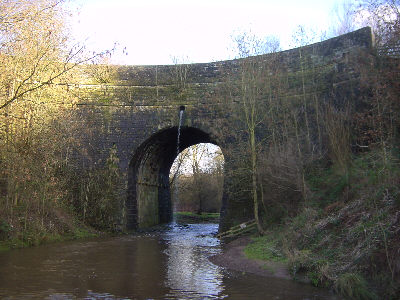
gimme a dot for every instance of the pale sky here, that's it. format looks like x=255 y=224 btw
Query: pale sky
x=154 y=31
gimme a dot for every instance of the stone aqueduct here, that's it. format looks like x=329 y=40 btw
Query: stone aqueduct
x=138 y=111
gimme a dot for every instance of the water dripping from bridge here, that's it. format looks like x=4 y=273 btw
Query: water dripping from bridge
x=176 y=186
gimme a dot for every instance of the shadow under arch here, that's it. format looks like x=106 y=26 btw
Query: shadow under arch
x=148 y=196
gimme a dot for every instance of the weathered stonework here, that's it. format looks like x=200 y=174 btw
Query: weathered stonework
x=138 y=110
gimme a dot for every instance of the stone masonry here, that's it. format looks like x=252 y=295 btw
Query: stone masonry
x=137 y=109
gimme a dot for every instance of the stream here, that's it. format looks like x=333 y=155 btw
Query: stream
x=170 y=263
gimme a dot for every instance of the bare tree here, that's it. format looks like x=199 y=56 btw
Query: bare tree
x=344 y=18
x=35 y=48
x=384 y=17
x=200 y=177
x=254 y=71
x=38 y=64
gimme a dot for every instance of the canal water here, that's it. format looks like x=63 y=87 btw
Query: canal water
x=171 y=263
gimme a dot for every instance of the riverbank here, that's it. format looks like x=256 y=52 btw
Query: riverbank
x=351 y=246
x=59 y=226
x=48 y=238
x=62 y=226
x=346 y=235
x=233 y=257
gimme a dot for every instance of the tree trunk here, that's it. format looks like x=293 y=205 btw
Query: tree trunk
x=254 y=179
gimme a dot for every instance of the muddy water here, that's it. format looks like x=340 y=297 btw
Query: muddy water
x=169 y=264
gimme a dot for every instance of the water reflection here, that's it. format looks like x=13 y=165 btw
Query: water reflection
x=189 y=272
x=130 y=266
x=172 y=264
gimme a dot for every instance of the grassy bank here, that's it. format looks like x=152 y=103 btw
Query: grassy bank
x=346 y=237
x=30 y=241
x=191 y=217
x=67 y=227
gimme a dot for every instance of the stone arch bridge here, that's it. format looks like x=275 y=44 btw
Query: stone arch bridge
x=137 y=108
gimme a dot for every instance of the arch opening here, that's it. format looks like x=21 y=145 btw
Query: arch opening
x=196 y=180
x=149 y=194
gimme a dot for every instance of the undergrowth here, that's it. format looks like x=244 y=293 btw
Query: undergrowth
x=353 y=286
x=347 y=237
x=202 y=215
x=76 y=204
x=264 y=248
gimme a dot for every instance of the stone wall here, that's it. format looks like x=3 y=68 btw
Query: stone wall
x=137 y=109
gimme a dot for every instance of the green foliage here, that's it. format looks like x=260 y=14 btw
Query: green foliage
x=34 y=238
x=96 y=199
x=376 y=166
x=202 y=215
x=264 y=248
x=5 y=229
x=306 y=262
x=353 y=286
x=314 y=277
x=274 y=213
x=355 y=227
x=327 y=185
x=80 y=233
x=304 y=218
x=190 y=217
x=300 y=260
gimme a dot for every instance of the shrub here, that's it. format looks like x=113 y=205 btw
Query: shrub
x=353 y=286
x=96 y=194
x=5 y=229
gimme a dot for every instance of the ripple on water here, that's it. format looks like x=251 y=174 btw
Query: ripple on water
x=169 y=264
